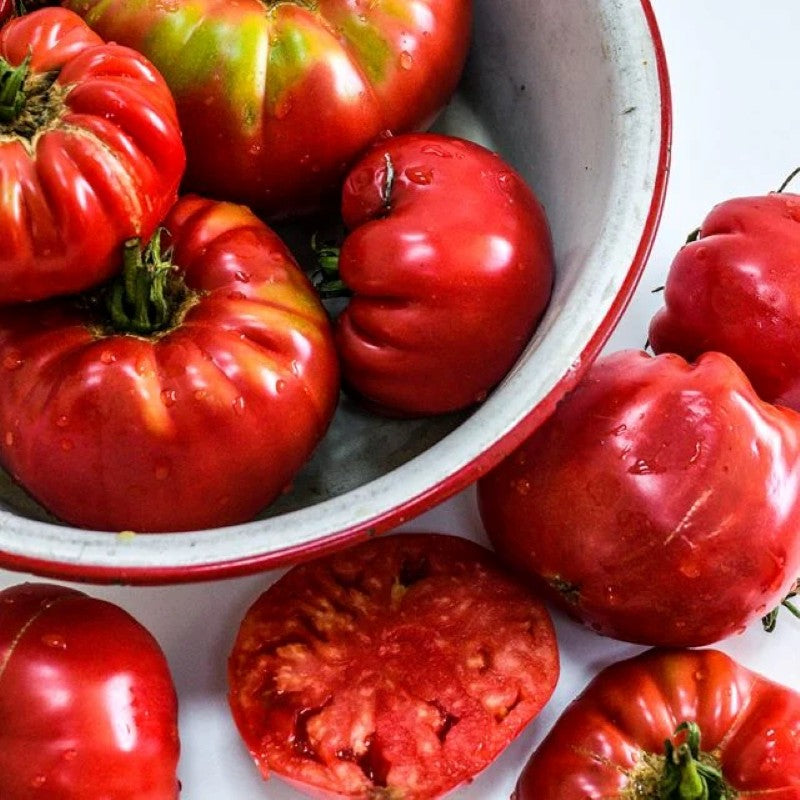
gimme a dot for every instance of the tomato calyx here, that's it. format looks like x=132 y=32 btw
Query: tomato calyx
x=326 y=278
x=12 y=89
x=29 y=102
x=770 y=621
x=684 y=772
x=150 y=296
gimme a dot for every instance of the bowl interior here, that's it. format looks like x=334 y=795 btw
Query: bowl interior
x=570 y=94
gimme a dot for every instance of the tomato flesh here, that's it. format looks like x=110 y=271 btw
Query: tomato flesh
x=397 y=669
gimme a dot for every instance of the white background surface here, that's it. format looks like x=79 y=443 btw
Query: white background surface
x=734 y=66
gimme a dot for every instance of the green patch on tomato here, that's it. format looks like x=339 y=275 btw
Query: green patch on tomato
x=370 y=48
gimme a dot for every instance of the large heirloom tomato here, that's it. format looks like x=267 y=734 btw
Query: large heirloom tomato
x=450 y=263
x=90 y=154
x=277 y=98
x=672 y=725
x=193 y=403
x=736 y=288
x=659 y=504
x=397 y=669
x=87 y=705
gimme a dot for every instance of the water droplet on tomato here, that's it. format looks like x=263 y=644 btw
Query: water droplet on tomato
x=107 y=357
x=280 y=385
x=406 y=60
x=12 y=361
x=296 y=368
x=70 y=755
x=200 y=394
x=67 y=445
x=143 y=367
x=522 y=486
x=422 y=176
x=54 y=640
x=236 y=295
x=62 y=421
x=169 y=397
x=506 y=181
x=690 y=569
x=641 y=467
x=242 y=276
x=38 y=781
x=435 y=150
x=239 y=405
x=700 y=675
x=283 y=108
x=10 y=438
x=701 y=253
x=611 y=596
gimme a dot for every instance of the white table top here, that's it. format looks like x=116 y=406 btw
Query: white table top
x=734 y=67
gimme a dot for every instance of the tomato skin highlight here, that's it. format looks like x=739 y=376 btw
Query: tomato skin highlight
x=736 y=289
x=87 y=704
x=199 y=426
x=277 y=99
x=450 y=273
x=749 y=724
x=101 y=165
x=659 y=504
x=396 y=669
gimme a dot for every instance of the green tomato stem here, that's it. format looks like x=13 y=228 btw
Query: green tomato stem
x=686 y=775
x=144 y=299
x=770 y=621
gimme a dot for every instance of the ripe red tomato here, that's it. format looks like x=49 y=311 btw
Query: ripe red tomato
x=659 y=504
x=398 y=668
x=611 y=741
x=276 y=99
x=196 y=416
x=451 y=265
x=87 y=705
x=6 y=10
x=736 y=289
x=90 y=154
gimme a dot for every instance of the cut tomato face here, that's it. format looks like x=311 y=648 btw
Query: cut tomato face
x=397 y=669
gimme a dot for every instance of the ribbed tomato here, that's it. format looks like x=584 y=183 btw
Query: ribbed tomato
x=729 y=733
x=87 y=705
x=735 y=288
x=396 y=669
x=90 y=154
x=450 y=263
x=276 y=99
x=186 y=397
x=659 y=504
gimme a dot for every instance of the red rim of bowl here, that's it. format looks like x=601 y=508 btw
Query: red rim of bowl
x=453 y=483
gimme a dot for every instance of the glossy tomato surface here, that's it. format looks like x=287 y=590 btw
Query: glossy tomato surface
x=90 y=154
x=198 y=425
x=276 y=99
x=659 y=504
x=396 y=669
x=87 y=705
x=610 y=742
x=450 y=263
x=736 y=289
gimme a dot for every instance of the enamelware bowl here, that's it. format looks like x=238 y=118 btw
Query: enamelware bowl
x=575 y=95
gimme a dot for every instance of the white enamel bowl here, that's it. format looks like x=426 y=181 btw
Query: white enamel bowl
x=575 y=95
